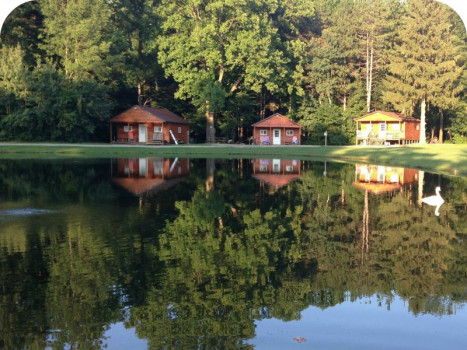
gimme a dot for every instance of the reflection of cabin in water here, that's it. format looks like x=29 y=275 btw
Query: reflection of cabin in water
x=147 y=125
x=143 y=175
x=379 y=179
x=276 y=172
x=381 y=127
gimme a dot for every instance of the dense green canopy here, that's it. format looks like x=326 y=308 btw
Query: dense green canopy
x=67 y=66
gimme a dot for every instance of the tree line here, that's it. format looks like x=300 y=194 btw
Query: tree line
x=67 y=66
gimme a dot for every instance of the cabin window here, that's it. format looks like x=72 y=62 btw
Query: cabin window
x=158 y=129
x=263 y=168
x=263 y=132
x=289 y=168
x=179 y=129
x=127 y=128
x=289 y=132
x=395 y=127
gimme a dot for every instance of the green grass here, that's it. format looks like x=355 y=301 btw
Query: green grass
x=444 y=159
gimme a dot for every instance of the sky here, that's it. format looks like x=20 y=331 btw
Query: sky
x=7 y=6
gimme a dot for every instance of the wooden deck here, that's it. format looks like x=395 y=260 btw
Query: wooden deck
x=380 y=140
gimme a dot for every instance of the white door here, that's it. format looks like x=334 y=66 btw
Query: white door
x=143 y=167
x=382 y=130
x=276 y=137
x=276 y=165
x=142 y=134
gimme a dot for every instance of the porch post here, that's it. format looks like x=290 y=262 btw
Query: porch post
x=110 y=132
x=386 y=127
x=356 y=135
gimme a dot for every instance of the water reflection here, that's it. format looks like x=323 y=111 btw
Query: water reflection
x=144 y=176
x=276 y=173
x=200 y=263
x=435 y=201
x=378 y=179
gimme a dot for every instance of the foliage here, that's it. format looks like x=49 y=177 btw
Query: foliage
x=224 y=65
x=43 y=104
x=423 y=68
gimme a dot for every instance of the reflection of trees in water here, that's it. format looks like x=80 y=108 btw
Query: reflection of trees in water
x=198 y=271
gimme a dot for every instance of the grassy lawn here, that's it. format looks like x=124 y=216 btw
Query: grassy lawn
x=444 y=159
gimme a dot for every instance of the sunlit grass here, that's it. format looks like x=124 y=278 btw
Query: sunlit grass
x=446 y=159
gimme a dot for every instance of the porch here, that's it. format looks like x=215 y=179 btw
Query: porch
x=368 y=137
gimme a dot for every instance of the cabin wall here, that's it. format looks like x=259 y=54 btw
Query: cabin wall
x=285 y=140
x=411 y=132
x=183 y=135
x=123 y=135
x=180 y=131
x=286 y=166
x=154 y=168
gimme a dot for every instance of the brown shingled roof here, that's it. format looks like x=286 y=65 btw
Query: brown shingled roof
x=277 y=121
x=139 y=114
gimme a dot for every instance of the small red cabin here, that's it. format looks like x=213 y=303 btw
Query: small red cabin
x=276 y=130
x=382 y=127
x=149 y=126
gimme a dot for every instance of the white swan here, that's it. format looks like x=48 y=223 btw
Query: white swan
x=436 y=200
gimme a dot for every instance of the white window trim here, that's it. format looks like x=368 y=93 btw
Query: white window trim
x=179 y=129
x=263 y=132
x=289 y=132
x=158 y=129
x=127 y=128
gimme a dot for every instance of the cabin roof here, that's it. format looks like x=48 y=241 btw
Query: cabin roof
x=277 y=121
x=377 y=188
x=138 y=186
x=277 y=180
x=385 y=116
x=139 y=114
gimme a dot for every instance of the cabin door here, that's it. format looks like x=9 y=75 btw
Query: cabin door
x=382 y=130
x=142 y=133
x=276 y=165
x=276 y=137
x=143 y=167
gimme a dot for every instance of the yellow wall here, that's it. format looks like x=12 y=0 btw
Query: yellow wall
x=378 y=117
x=390 y=127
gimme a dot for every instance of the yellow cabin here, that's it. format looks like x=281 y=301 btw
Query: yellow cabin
x=384 y=128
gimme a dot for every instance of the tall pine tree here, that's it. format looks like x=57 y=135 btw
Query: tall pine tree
x=422 y=68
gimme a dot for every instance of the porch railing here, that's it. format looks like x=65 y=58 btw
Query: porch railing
x=389 y=135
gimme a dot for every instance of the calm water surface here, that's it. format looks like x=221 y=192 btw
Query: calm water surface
x=157 y=253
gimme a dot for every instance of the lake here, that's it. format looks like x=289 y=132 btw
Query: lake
x=158 y=253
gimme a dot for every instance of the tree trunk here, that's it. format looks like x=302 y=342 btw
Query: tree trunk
x=210 y=130
x=140 y=94
x=421 y=180
x=369 y=71
x=210 y=170
x=441 y=126
x=423 y=121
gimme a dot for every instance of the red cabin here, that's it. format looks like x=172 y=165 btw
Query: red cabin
x=145 y=125
x=276 y=130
